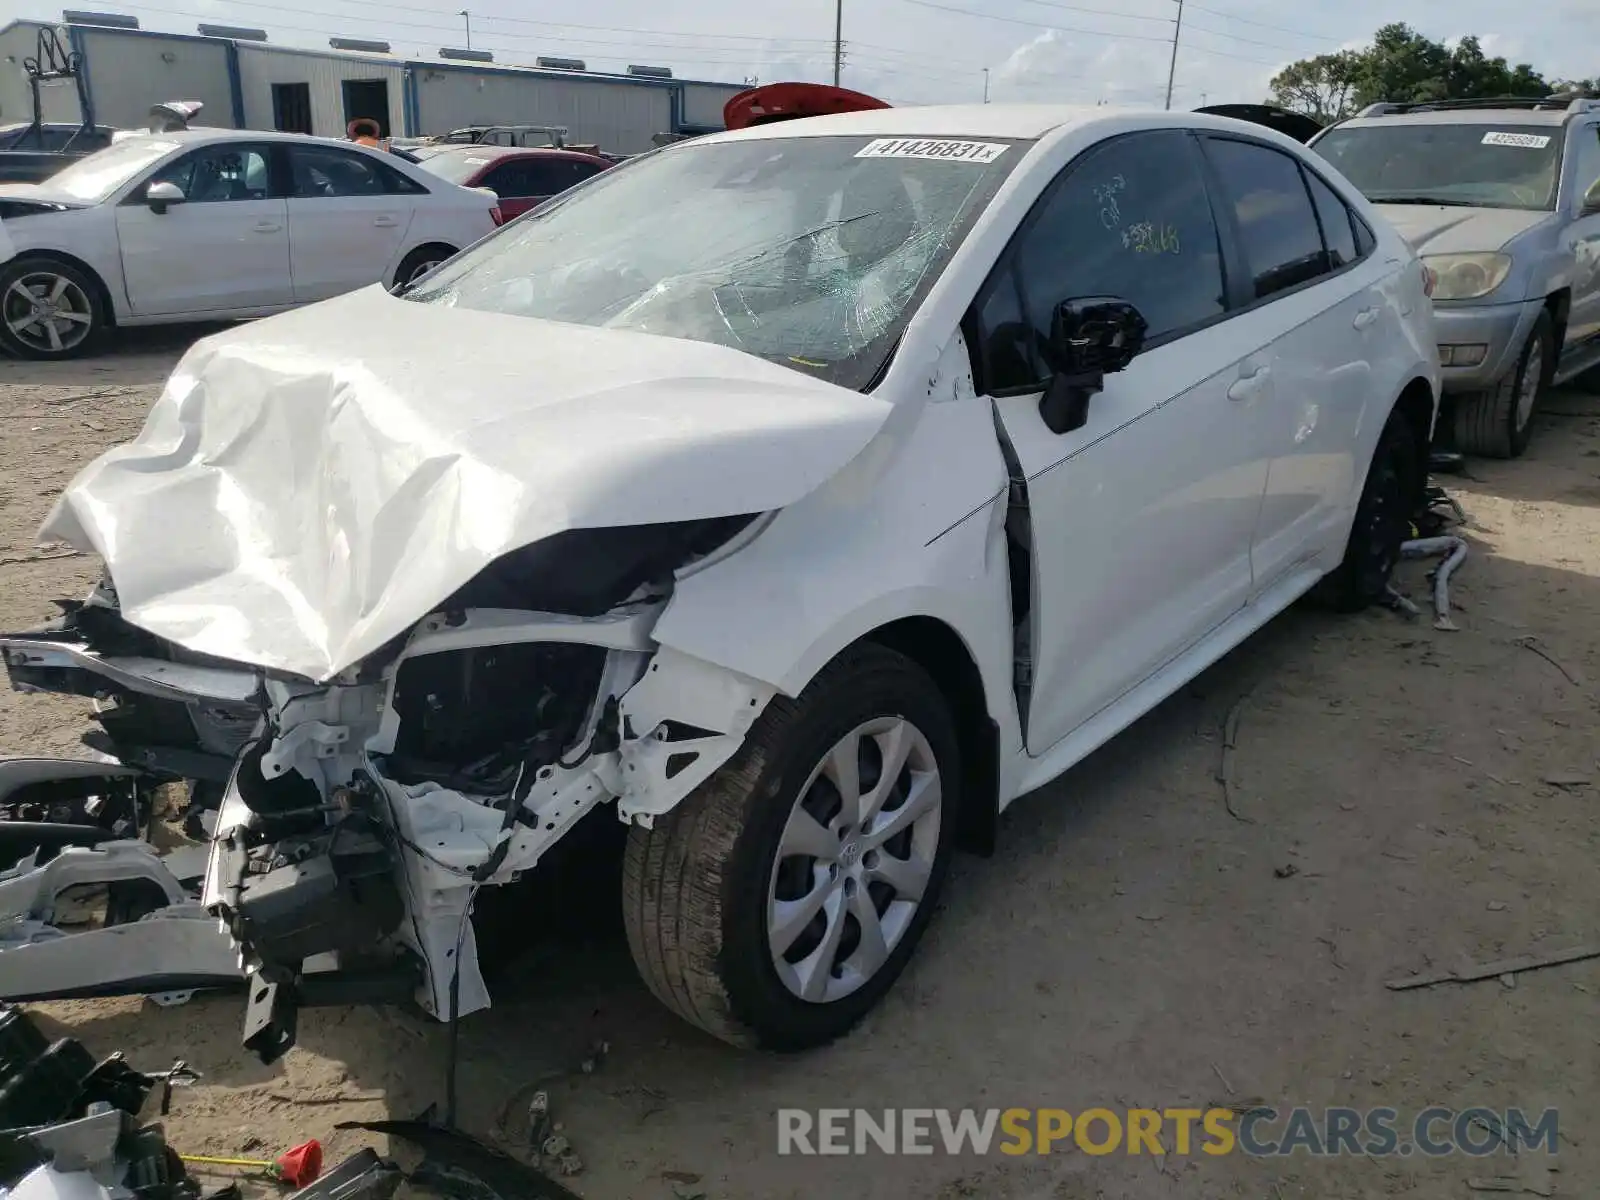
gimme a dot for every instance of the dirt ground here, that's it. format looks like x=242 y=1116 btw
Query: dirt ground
x=1131 y=944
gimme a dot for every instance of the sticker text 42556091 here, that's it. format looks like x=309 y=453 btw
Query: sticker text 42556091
x=940 y=149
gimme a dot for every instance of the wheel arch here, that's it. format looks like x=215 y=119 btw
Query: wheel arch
x=1559 y=305
x=102 y=290
x=940 y=651
x=1418 y=405
x=427 y=245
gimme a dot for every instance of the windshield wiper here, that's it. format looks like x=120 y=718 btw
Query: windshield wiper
x=1435 y=200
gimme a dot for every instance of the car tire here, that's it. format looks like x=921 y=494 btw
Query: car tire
x=708 y=892
x=1382 y=521
x=69 y=296
x=419 y=262
x=1499 y=422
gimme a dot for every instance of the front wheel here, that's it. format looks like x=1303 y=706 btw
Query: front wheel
x=778 y=903
x=1499 y=423
x=48 y=308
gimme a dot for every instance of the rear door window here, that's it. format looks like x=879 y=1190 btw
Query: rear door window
x=1338 y=223
x=1277 y=223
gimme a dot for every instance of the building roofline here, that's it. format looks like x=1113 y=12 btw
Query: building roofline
x=397 y=60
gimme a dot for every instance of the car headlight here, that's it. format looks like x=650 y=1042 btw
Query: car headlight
x=1467 y=276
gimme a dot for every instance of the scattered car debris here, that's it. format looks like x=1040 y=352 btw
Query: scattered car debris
x=1473 y=973
x=1287 y=871
x=449 y=1150
x=362 y=1176
x=1455 y=551
x=69 y=1126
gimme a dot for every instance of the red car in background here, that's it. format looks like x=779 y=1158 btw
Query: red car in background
x=522 y=177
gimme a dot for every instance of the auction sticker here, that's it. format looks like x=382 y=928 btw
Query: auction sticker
x=1528 y=141
x=939 y=149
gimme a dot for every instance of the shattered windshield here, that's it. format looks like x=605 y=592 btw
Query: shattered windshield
x=1491 y=165
x=812 y=252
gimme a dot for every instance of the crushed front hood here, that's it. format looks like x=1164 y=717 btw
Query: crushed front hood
x=308 y=487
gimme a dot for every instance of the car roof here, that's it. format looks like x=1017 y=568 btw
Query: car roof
x=956 y=120
x=518 y=151
x=1019 y=121
x=1463 y=116
x=201 y=134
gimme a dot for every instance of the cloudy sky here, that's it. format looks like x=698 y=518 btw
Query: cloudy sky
x=919 y=51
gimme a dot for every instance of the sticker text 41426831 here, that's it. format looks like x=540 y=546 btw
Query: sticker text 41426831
x=939 y=149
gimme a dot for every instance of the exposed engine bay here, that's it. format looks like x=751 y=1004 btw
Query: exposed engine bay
x=352 y=821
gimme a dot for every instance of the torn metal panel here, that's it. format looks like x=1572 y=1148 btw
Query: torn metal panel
x=687 y=717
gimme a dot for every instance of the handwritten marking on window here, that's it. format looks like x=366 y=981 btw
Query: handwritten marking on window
x=1106 y=193
x=1151 y=238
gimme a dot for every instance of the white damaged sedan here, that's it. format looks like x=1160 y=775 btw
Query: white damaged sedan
x=806 y=493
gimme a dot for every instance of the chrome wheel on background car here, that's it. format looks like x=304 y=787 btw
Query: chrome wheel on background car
x=46 y=311
x=779 y=901
x=419 y=262
x=854 y=860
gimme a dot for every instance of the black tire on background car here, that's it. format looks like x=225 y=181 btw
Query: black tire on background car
x=49 y=308
x=419 y=262
x=1382 y=521
x=747 y=907
x=1499 y=422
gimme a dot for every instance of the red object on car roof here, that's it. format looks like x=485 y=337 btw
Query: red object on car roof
x=787 y=101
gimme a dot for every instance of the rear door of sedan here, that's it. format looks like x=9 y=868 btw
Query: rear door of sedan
x=348 y=216
x=1318 y=296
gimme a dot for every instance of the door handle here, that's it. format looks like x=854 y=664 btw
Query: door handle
x=267 y=227
x=385 y=222
x=1365 y=318
x=1248 y=387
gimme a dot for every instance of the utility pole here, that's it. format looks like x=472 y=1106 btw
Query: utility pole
x=1172 y=67
x=986 y=85
x=839 y=39
x=468 y=17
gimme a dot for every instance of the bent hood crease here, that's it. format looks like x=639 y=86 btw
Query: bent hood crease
x=307 y=488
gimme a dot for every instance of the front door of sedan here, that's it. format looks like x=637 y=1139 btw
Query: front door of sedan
x=225 y=247
x=1141 y=520
x=348 y=216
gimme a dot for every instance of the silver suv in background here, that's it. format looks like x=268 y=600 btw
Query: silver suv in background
x=1501 y=199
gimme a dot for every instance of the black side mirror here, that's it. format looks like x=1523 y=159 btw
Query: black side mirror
x=1090 y=338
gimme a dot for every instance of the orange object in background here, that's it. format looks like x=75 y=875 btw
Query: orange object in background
x=789 y=101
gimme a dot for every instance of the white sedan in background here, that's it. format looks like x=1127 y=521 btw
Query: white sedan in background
x=215 y=224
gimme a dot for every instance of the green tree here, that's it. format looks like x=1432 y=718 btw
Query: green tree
x=1322 y=87
x=1404 y=66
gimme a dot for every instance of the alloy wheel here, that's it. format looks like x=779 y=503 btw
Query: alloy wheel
x=47 y=312
x=854 y=860
x=422 y=269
